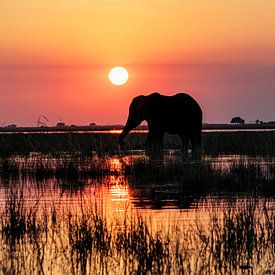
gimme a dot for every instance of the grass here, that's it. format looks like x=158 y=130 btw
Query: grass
x=252 y=143
x=203 y=178
x=210 y=176
x=240 y=237
x=81 y=238
x=84 y=241
x=71 y=167
x=244 y=175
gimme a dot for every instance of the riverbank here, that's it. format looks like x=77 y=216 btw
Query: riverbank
x=74 y=128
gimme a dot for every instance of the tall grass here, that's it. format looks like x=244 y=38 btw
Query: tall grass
x=85 y=242
x=252 y=143
x=82 y=239
x=239 y=239
x=64 y=166
x=255 y=175
x=204 y=177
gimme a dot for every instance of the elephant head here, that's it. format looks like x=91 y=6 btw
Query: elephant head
x=138 y=112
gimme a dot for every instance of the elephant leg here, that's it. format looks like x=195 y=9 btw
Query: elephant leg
x=196 y=146
x=154 y=146
x=184 y=146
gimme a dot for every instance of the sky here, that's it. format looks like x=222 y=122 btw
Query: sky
x=55 y=56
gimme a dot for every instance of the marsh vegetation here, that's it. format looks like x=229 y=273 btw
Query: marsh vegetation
x=82 y=207
x=214 y=143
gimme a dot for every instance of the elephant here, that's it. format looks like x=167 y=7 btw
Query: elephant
x=178 y=114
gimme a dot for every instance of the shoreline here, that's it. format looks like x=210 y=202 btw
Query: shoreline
x=206 y=126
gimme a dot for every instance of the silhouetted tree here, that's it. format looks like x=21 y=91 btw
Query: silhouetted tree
x=237 y=120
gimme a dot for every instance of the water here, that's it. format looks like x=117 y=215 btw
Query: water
x=126 y=220
x=119 y=131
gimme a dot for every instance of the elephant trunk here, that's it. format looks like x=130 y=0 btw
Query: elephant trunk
x=130 y=125
x=123 y=134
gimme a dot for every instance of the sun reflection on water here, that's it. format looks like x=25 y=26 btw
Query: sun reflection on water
x=115 y=164
x=119 y=193
x=79 y=205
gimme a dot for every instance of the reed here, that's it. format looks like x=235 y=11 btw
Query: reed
x=203 y=177
x=62 y=167
x=239 y=238
x=249 y=143
x=255 y=175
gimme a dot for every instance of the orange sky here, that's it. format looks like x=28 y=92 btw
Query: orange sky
x=55 y=57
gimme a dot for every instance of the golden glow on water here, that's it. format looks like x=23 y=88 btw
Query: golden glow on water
x=119 y=193
x=113 y=205
x=115 y=164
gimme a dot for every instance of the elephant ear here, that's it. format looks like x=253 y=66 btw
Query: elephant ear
x=140 y=106
x=145 y=106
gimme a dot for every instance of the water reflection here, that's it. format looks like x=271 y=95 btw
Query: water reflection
x=159 y=198
x=128 y=215
x=130 y=178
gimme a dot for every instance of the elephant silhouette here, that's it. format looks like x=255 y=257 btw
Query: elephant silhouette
x=178 y=114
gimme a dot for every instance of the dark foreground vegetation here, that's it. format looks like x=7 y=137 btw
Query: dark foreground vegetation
x=211 y=175
x=52 y=240
x=252 y=143
x=52 y=223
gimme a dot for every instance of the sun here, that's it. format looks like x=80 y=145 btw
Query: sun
x=118 y=75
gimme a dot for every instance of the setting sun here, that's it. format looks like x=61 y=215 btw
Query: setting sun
x=118 y=75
